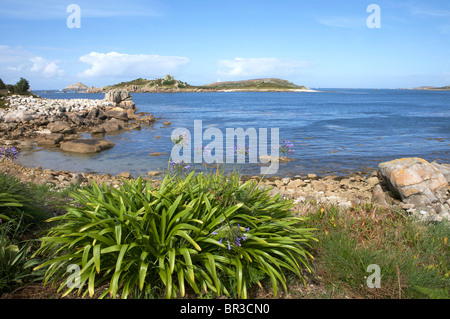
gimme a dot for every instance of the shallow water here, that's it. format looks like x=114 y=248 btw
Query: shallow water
x=334 y=131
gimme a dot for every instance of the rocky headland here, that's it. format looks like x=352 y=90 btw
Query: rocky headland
x=170 y=85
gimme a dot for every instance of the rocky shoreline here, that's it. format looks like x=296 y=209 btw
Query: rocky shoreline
x=134 y=89
x=412 y=184
x=429 y=197
x=55 y=122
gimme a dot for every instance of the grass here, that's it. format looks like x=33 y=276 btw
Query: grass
x=4 y=104
x=23 y=209
x=413 y=257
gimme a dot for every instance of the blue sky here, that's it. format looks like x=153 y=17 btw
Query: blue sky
x=320 y=43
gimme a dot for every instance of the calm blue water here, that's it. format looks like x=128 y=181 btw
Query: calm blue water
x=334 y=131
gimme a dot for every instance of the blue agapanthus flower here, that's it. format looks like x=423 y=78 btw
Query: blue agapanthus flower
x=9 y=152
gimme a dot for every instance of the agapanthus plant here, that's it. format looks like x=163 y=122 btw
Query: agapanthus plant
x=9 y=152
x=232 y=234
x=286 y=148
x=178 y=167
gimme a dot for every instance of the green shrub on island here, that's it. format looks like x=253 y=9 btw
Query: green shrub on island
x=206 y=233
x=2 y=85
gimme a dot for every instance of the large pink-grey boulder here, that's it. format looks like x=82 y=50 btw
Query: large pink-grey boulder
x=60 y=127
x=86 y=146
x=414 y=180
x=117 y=96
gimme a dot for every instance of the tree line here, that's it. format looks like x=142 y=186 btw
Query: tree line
x=21 y=87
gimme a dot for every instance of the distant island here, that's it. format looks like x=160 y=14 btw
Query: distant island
x=443 y=88
x=169 y=84
x=79 y=87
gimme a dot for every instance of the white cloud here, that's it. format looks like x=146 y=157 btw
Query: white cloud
x=430 y=12
x=51 y=9
x=342 y=22
x=13 y=56
x=46 y=68
x=115 y=64
x=16 y=62
x=261 y=67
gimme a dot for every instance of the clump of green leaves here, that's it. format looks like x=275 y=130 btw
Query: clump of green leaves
x=19 y=202
x=15 y=268
x=141 y=239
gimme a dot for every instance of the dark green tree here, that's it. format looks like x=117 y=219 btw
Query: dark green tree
x=11 y=88
x=22 y=86
x=2 y=85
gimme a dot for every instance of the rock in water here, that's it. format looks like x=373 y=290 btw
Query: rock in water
x=60 y=127
x=117 y=96
x=117 y=113
x=86 y=146
x=414 y=180
x=51 y=139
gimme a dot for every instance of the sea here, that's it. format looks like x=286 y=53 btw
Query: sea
x=333 y=131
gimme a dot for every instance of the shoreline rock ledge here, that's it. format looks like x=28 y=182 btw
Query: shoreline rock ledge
x=421 y=186
x=51 y=122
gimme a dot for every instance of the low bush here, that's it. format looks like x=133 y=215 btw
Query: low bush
x=201 y=234
x=15 y=263
x=19 y=203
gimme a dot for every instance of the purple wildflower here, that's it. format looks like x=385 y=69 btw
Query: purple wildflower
x=286 y=148
x=10 y=152
x=178 y=167
x=233 y=234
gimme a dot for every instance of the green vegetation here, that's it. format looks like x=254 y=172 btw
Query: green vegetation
x=144 y=84
x=211 y=235
x=22 y=87
x=23 y=208
x=3 y=103
x=443 y=88
x=414 y=257
x=142 y=236
x=19 y=203
x=168 y=82
x=2 y=85
x=257 y=84
x=205 y=233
